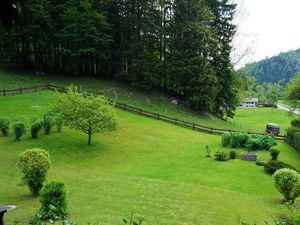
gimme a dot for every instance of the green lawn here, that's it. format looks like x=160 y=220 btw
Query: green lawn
x=255 y=120
x=11 y=77
x=147 y=166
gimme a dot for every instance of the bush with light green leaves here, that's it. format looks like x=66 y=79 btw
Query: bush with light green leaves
x=287 y=182
x=34 y=164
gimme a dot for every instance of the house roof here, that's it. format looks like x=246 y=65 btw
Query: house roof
x=250 y=100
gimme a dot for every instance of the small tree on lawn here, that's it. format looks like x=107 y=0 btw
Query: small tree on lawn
x=86 y=113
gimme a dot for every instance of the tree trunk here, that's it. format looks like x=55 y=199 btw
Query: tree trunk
x=90 y=138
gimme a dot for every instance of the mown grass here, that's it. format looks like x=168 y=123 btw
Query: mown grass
x=255 y=120
x=155 y=169
x=13 y=77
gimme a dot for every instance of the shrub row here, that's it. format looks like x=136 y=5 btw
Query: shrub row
x=252 y=142
x=19 y=127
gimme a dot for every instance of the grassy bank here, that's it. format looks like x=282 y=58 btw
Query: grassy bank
x=150 y=167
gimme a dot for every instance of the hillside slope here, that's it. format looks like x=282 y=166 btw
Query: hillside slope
x=11 y=77
x=277 y=69
x=157 y=170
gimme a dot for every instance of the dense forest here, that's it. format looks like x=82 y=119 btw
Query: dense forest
x=179 y=46
x=277 y=69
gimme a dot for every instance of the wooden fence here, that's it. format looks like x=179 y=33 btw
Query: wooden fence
x=139 y=111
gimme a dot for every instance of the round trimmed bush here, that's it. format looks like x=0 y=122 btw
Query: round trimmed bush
x=232 y=154
x=274 y=153
x=4 y=126
x=34 y=163
x=273 y=165
x=287 y=182
x=19 y=129
x=36 y=127
x=53 y=201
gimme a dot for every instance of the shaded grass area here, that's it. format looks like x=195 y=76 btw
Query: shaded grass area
x=255 y=120
x=13 y=77
x=150 y=167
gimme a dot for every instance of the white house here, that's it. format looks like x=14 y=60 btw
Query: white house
x=249 y=103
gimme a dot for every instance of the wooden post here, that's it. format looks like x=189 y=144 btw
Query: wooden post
x=211 y=130
x=34 y=88
x=176 y=121
x=141 y=111
x=4 y=94
x=193 y=125
x=158 y=116
x=20 y=90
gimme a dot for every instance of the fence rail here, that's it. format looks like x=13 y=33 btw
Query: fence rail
x=138 y=111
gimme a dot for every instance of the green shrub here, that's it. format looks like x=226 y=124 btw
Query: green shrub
x=133 y=220
x=294 y=219
x=36 y=127
x=295 y=123
x=34 y=163
x=221 y=156
x=287 y=182
x=4 y=125
x=274 y=153
x=48 y=123
x=238 y=139
x=232 y=154
x=53 y=201
x=19 y=129
x=297 y=142
x=260 y=163
x=273 y=165
x=253 y=144
x=293 y=137
x=226 y=139
x=260 y=142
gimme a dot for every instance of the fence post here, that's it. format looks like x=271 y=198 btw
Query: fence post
x=176 y=121
x=20 y=90
x=158 y=116
x=193 y=125
x=34 y=88
x=4 y=94
x=141 y=111
x=211 y=130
